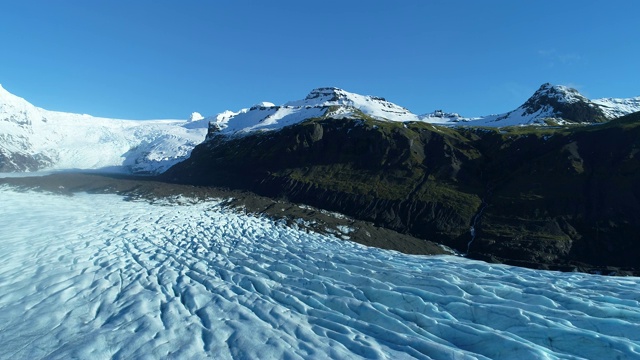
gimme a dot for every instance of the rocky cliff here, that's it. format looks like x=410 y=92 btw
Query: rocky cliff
x=539 y=197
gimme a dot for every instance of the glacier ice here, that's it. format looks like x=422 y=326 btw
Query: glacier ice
x=93 y=276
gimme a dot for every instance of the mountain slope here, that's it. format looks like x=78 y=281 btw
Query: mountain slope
x=539 y=197
x=32 y=139
x=556 y=104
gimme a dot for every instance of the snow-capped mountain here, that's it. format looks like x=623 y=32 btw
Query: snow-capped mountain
x=343 y=104
x=614 y=108
x=321 y=102
x=550 y=104
x=33 y=138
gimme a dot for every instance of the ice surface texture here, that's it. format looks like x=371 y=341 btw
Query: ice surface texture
x=93 y=276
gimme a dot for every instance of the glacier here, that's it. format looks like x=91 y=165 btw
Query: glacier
x=93 y=276
x=35 y=139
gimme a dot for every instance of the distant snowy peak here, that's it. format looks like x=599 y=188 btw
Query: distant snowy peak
x=442 y=117
x=32 y=138
x=346 y=104
x=614 y=108
x=321 y=102
x=551 y=98
x=550 y=104
x=567 y=102
x=559 y=93
x=331 y=96
x=262 y=104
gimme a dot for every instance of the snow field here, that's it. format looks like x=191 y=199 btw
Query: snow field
x=75 y=141
x=93 y=276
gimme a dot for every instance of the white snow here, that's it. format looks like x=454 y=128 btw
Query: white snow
x=614 y=107
x=518 y=117
x=561 y=93
x=372 y=106
x=93 y=276
x=265 y=119
x=524 y=115
x=263 y=104
x=321 y=102
x=74 y=141
x=195 y=116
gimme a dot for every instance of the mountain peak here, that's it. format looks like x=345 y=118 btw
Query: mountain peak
x=8 y=97
x=3 y=90
x=331 y=96
x=560 y=93
x=17 y=110
x=333 y=93
x=560 y=102
x=320 y=102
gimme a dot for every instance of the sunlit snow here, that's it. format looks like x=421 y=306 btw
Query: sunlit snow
x=94 y=276
x=340 y=104
x=614 y=108
x=74 y=141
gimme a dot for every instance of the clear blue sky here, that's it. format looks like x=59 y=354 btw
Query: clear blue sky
x=147 y=59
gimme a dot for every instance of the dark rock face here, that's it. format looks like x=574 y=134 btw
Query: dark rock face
x=563 y=199
x=375 y=172
x=538 y=197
